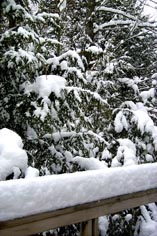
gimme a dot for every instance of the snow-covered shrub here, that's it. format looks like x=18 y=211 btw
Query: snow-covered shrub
x=13 y=158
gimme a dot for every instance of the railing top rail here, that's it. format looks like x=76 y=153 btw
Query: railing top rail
x=24 y=197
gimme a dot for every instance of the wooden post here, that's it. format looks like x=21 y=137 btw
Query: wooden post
x=89 y=228
x=95 y=227
x=86 y=228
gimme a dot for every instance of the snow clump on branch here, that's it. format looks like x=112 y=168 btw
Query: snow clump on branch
x=13 y=159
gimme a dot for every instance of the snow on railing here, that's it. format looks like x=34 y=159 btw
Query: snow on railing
x=53 y=201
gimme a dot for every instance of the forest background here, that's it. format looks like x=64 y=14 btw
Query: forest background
x=78 y=83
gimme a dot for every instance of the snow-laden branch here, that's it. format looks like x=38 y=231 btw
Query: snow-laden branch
x=94 y=94
x=69 y=134
x=71 y=54
x=97 y=136
x=60 y=135
x=66 y=134
x=153 y=1
x=114 y=23
x=112 y=10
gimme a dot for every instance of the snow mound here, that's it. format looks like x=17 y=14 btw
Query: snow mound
x=120 y=122
x=45 y=84
x=130 y=83
x=147 y=94
x=13 y=159
x=143 y=121
x=94 y=50
x=31 y=172
x=148 y=226
x=126 y=153
x=89 y=163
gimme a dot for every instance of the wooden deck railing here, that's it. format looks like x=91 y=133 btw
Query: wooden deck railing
x=86 y=214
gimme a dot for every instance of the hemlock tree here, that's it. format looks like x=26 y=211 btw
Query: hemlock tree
x=53 y=126
x=23 y=57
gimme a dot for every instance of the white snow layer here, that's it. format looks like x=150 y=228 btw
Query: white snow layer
x=143 y=121
x=140 y=117
x=13 y=159
x=112 y=23
x=24 y=197
x=45 y=84
x=31 y=172
x=120 y=122
x=89 y=163
x=148 y=227
x=147 y=94
x=130 y=83
x=94 y=50
x=126 y=153
x=73 y=55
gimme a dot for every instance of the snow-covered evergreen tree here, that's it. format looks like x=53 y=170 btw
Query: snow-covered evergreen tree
x=24 y=52
x=127 y=84
x=23 y=57
x=119 y=55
